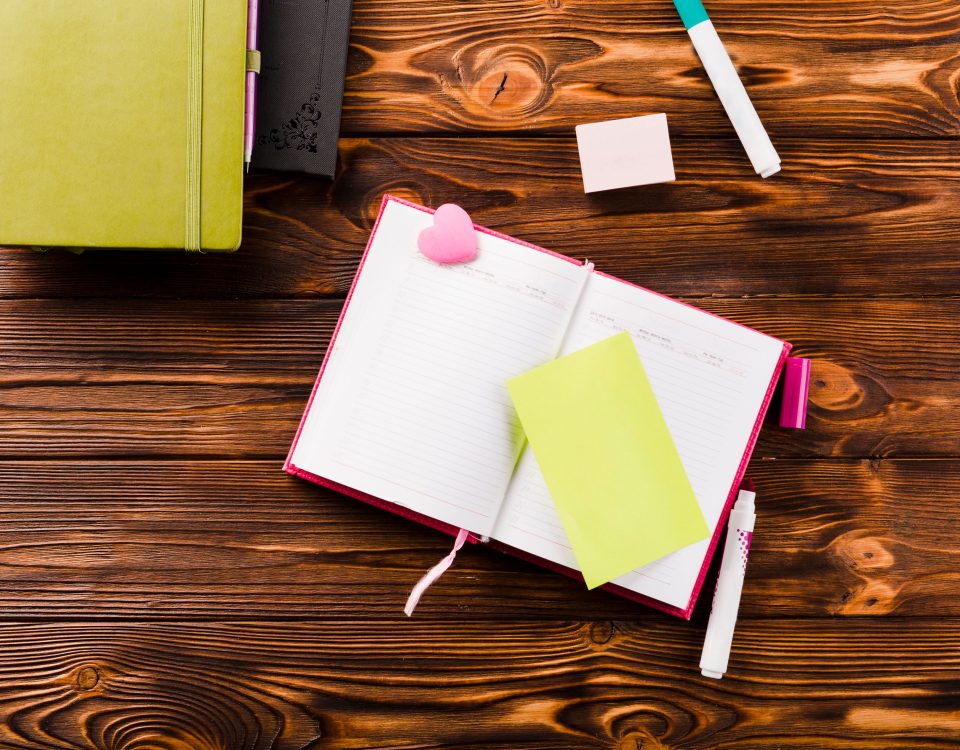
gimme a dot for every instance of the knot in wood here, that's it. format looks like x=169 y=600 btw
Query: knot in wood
x=602 y=632
x=400 y=188
x=639 y=741
x=513 y=80
x=836 y=388
x=88 y=678
x=868 y=553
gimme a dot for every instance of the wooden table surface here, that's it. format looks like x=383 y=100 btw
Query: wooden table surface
x=164 y=586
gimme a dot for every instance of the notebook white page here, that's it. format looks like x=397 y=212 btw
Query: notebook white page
x=412 y=406
x=710 y=377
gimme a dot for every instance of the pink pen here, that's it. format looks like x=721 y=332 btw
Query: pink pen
x=250 y=100
x=796 y=391
x=726 y=599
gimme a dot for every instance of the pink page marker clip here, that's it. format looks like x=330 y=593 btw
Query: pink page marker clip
x=796 y=389
x=452 y=238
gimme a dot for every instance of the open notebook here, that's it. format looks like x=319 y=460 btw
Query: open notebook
x=411 y=412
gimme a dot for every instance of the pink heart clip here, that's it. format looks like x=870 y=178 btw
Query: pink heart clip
x=452 y=238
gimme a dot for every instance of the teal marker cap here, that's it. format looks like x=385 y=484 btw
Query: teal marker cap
x=691 y=12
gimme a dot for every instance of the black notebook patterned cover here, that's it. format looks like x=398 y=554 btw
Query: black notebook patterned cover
x=303 y=46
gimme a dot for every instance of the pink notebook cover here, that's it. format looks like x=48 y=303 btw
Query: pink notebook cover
x=452 y=530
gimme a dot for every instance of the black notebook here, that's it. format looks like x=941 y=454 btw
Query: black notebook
x=303 y=46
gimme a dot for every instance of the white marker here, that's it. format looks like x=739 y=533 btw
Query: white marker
x=729 y=87
x=726 y=599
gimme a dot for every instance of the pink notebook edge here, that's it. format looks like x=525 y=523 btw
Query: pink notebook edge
x=685 y=613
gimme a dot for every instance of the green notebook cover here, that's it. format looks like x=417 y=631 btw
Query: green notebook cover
x=121 y=123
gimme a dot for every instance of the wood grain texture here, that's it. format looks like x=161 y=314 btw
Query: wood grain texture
x=163 y=586
x=842 y=219
x=237 y=539
x=231 y=379
x=853 y=68
x=542 y=684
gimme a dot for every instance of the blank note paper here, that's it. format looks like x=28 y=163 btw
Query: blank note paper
x=608 y=459
x=626 y=152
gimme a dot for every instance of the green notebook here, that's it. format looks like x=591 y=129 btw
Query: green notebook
x=121 y=123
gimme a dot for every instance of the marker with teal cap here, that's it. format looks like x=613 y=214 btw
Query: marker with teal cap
x=729 y=87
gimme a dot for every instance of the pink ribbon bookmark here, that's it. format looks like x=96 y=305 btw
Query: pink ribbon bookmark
x=434 y=573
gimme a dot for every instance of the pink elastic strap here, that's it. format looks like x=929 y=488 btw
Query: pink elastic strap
x=434 y=573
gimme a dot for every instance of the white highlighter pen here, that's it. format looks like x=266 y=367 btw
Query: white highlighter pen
x=729 y=87
x=726 y=599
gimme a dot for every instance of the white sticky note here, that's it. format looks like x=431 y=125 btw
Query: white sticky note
x=624 y=153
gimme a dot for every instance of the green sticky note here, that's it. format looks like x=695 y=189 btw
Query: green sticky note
x=609 y=461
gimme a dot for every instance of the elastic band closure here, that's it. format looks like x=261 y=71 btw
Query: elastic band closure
x=253 y=60
x=434 y=573
x=194 y=127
